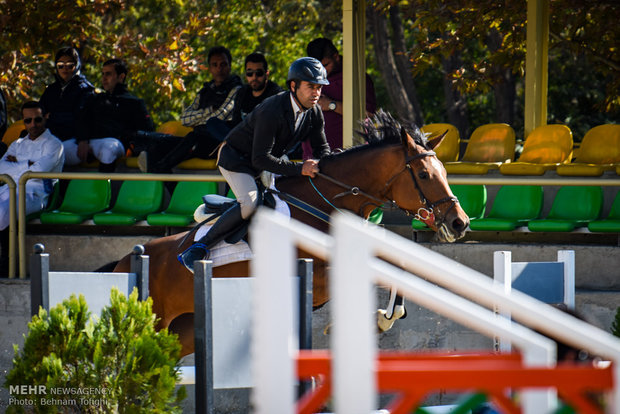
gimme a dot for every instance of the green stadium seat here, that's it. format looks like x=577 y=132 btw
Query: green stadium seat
x=136 y=199
x=513 y=207
x=53 y=202
x=83 y=199
x=376 y=216
x=611 y=224
x=573 y=206
x=187 y=196
x=473 y=199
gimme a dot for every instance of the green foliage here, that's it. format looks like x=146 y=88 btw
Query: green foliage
x=615 y=326
x=118 y=363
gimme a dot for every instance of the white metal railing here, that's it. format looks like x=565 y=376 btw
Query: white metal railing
x=353 y=251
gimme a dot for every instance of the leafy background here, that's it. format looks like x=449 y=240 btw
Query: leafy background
x=461 y=61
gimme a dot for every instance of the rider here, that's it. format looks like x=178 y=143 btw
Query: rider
x=273 y=129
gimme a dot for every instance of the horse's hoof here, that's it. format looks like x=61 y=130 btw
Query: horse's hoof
x=383 y=323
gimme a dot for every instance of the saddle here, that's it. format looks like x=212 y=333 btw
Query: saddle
x=215 y=205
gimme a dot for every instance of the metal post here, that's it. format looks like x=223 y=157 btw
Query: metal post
x=203 y=336
x=39 y=282
x=140 y=266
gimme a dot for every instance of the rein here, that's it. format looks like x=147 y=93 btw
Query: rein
x=423 y=213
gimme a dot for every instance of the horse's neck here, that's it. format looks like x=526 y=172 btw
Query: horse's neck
x=360 y=170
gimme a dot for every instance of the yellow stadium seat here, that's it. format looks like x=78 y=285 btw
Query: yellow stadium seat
x=198 y=164
x=448 y=150
x=544 y=149
x=174 y=128
x=489 y=146
x=13 y=131
x=599 y=152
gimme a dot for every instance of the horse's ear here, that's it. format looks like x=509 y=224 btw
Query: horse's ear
x=432 y=143
x=404 y=137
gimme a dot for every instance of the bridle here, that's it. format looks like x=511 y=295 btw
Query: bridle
x=423 y=214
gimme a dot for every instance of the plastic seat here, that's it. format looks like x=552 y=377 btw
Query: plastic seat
x=174 y=128
x=83 y=199
x=599 y=151
x=53 y=202
x=186 y=197
x=13 y=131
x=489 y=146
x=611 y=224
x=136 y=199
x=448 y=150
x=544 y=149
x=573 y=206
x=513 y=207
x=473 y=199
x=198 y=164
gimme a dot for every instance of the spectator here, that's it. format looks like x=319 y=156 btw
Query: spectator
x=108 y=120
x=64 y=99
x=257 y=88
x=331 y=99
x=38 y=151
x=209 y=115
x=260 y=142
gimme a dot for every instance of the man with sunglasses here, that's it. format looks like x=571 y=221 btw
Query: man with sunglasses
x=38 y=151
x=64 y=99
x=257 y=88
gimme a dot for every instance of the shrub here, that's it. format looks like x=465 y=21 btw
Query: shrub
x=116 y=363
x=615 y=326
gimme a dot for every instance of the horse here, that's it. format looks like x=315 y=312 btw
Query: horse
x=396 y=166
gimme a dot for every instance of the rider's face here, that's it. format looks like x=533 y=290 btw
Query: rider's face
x=308 y=93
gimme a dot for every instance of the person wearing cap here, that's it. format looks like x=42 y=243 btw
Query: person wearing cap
x=259 y=143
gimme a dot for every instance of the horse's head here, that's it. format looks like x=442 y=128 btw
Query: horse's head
x=419 y=184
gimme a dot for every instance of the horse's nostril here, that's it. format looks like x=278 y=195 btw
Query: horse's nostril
x=458 y=225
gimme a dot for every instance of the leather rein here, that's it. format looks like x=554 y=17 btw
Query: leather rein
x=424 y=213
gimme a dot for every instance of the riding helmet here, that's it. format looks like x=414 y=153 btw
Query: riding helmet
x=307 y=69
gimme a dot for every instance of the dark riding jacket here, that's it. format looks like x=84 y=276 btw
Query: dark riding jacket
x=267 y=133
x=118 y=114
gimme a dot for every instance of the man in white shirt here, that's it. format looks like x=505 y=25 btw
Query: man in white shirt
x=38 y=151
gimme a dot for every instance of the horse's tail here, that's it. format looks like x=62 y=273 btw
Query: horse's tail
x=108 y=267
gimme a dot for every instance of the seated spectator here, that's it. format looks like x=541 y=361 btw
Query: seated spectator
x=331 y=98
x=64 y=99
x=38 y=151
x=108 y=120
x=257 y=88
x=209 y=115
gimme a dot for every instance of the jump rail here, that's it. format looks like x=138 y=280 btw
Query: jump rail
x=355 y=267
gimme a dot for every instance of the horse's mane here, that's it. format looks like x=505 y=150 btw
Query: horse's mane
x=381 y=130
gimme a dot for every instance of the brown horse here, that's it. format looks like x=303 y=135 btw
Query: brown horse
x=397 y=166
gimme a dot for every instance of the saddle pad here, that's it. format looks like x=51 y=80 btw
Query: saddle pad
x=225 y=253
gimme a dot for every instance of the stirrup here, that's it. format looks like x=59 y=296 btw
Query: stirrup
x=187 y=257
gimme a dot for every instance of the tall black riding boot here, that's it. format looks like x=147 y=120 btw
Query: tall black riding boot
x=226 y=225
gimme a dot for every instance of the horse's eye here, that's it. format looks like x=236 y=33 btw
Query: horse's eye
x=423 y=175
